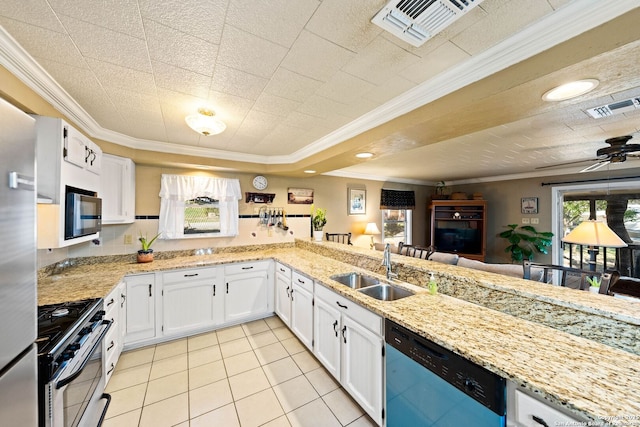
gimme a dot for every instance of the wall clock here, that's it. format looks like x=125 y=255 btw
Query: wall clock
x=260 y=182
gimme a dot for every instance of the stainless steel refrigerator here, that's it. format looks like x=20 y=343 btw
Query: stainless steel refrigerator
x=18 y=287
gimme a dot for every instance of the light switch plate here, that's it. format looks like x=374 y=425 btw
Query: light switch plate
x=525 y=220
x=535 y=220
x=128 y=239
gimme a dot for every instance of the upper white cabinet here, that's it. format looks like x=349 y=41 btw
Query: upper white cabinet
x=118 y=190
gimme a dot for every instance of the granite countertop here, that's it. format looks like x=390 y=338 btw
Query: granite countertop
x=586 y=377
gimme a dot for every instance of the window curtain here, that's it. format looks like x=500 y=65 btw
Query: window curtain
x=397 y=199
x=175 y=190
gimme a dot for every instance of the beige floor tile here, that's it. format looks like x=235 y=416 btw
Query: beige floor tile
x=126 y=400
x=281 y=370
x=255 y=327
x=283 y=333
x=314 y=414
x=322 y=381
x=206 y=374
x=241 y=363
x=204 y=356
x=295 y=393
x=210 y=397
x=363 y=421
x=231 y=348
x=262 y=339
x=135 y=358
x=225 y=416
x=197 y=342
x=171 y=348
x=168 y=366
x=278 y=422
x=124 y=378
x=166 y=387
x=293 y=345
x=184 y=424
x=306 y=361
x=271 y=353
x=247 y=383
x=258 y=408
x=274 y=322
x=230 y=334
x=128 y=419
x=168 y=412
x=342 y=406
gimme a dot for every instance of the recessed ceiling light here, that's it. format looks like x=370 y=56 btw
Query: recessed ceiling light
x=570 y=90
x=309 y=171
x=364 y=155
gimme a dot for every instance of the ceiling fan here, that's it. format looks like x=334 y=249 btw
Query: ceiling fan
x=617 y=152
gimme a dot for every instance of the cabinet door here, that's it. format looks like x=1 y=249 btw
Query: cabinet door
x=283 y=298
x=75 y=149
x=118 y=190
x=362 y=366
x=141 y=308
x=246 y=295
x=302 y=314
x=326 y=336
x=188 y=306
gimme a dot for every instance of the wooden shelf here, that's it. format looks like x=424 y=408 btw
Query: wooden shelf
x=459 y=226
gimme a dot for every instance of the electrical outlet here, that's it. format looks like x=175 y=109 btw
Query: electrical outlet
x=535 y=220
x=128 y=239
x=97 y=242
x=525 y=220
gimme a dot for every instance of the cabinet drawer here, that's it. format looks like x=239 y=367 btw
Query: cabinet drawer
x=246 y=267
x=302 y=281
x=366 y=318
x=188 y=275
x=112 y=304
x=283 y=270
x=528 y=407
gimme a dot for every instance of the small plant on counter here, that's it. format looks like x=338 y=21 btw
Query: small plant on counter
x=146 y=253
x=594 y=282
x=318 y=218
x=523 y=242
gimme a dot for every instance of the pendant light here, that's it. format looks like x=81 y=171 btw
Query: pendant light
x=205 y=123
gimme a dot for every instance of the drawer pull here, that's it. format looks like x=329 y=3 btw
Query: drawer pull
x=124 y=298
x=288 y=294
x=111 y=369
x=342 y=306
x=111 y=301
x=344 y=330
x=301 y=281
x=540 y=421
x=150 y=290
x=214 y=290
x=110 y=345
x=291 y=294
x=335 y=326
x=282 y=269
x=247 y=268
x=191 y=275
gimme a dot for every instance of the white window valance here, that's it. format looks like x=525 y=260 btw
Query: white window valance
x=175 y=190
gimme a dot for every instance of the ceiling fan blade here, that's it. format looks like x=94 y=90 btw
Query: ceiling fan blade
x=568 y=163
x=595 y=166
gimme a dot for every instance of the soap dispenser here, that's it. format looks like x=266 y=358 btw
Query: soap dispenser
x=433 y=286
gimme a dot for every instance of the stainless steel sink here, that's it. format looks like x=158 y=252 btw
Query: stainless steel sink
x=385 y=292
x=356 y=280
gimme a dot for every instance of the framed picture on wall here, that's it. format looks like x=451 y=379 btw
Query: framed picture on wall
x=357 y=200
x=529 y=205
x=300 y=196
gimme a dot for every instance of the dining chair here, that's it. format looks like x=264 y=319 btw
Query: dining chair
x=339 y=238
x=569 y=277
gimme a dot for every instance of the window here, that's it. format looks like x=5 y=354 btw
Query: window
x=396 y=226
x=201 y=215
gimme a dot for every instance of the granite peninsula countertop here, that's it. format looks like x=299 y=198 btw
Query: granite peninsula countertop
x=590 y=379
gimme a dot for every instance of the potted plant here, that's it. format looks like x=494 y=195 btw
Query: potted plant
x=146 y=253
x=318 y=220
x=594 y=284
x=523 y=242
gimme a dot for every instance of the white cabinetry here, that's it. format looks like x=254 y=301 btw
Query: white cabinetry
x=191 y=300
x=115 y=311
x=248 y=292
x=283 y=293
x=294 y=302
x=140 y=308
x=527 y=411
x=118 y=190
x=348 y=341
x=65 y=158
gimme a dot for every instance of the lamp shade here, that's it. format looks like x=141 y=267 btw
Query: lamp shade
x=371 y=229
x=594 y=233
x=205 y=122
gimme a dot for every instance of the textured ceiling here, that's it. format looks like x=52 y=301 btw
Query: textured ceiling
x=297 y=81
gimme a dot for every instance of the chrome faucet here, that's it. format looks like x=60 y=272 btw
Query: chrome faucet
x=386 y=261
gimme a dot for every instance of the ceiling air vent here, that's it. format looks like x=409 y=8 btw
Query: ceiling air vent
x=618 y=107
x=416 y=21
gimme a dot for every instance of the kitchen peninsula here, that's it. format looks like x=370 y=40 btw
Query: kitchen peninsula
x=587 y=377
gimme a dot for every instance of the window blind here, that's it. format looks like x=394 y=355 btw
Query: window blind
x=397 y=199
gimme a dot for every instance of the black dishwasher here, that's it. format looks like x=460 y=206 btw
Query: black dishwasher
x=428 y=385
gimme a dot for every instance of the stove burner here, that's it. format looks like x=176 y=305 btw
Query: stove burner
x=60 y=312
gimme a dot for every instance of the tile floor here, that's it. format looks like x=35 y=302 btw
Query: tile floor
x=254 y=374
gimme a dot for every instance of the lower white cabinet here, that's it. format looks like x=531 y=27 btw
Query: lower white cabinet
x=348 y=342
x=140 y=308
x=192 y=299
x=247 y=291
x=283 y=293
x=302 y=308
x=527 y=411
x=113 y=342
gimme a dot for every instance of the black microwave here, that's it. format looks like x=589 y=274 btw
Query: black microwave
x=83 y=213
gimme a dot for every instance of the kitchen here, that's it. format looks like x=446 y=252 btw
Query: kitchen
x=151 y=164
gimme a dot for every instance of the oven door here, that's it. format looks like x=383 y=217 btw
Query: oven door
x=75 y=392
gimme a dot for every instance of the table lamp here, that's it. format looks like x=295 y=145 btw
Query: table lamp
x=594 y=233
x=371 y=230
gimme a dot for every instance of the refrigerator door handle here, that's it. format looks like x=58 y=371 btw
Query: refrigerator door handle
x=21 y=182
